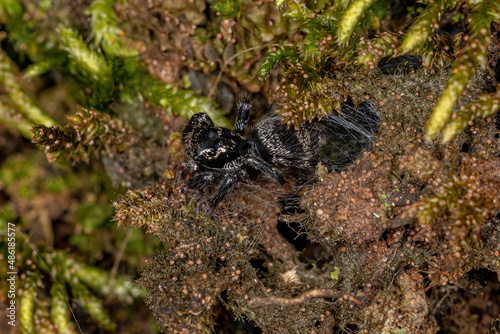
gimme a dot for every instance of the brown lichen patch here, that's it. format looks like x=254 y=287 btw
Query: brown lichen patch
x=207 y=259
x=488 y=254
x=351 y=206
x=414 y=302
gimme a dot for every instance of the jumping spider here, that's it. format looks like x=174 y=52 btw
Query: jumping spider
x=221 y=157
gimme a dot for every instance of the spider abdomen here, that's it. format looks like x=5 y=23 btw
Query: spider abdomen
x=335 y=140
x=286 y=147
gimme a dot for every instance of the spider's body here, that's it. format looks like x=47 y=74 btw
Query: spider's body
x=223 y=157
x=219 y=155
x=215 y=148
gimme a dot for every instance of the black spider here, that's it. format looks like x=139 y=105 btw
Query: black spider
x=221 y=157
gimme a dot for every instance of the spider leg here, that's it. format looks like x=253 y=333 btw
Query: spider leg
x=225 y=187
x=265 y=168
x=244 y=106
x=200 y=180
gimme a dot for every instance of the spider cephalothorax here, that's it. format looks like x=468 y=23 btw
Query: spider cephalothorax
x=221 y=157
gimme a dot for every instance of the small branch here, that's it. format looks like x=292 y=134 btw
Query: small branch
x=316 y=293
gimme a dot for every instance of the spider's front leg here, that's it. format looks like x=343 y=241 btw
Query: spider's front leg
x=225 y=187
x=200 y=180
x=244 y=106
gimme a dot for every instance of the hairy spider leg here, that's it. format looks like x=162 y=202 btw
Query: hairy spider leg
x=265 y=168
x=244 y=106
x=200 y=180
x=226 y=186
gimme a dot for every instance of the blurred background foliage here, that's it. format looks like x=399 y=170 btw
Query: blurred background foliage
x=102 y=87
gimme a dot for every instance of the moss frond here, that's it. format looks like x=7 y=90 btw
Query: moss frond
x=27 y=306
x=105 y=29
x=303 y=94
x=12 y=8
x=280 y=3
x=18 y=98
x=93 y=306
x=420 y=31
x=175 y=101
x=146 y=206
x=370 y=51
x=460 y=75
x=474 y=53
x=274 y=57
x=99 y=281
x=43 y=322
x=351 y=18
x=60 y=310
x=80 y=278
x=8 y=117
x=486 y=105
x=227 y=9
x=36 y=70
x=466 y=199
x=89 y=133
x=87 y=62
x=440 y=50
x=311 y=22
x=89 y=65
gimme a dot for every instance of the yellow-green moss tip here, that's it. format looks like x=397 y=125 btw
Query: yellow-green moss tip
x=474 y=53
x=59 y=311
x=27 y=307
x=370 y=51
x=93 y=306
x=279 y=3
x=106 y=30
x=421 y=29
x=486 y=105
x=444 y=107
x=8 y=117
x=351 y=18
x=87 y=61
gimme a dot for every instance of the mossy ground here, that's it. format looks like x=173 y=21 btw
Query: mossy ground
x=359 y=232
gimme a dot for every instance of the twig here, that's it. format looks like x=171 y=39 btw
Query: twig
x=316 y=293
